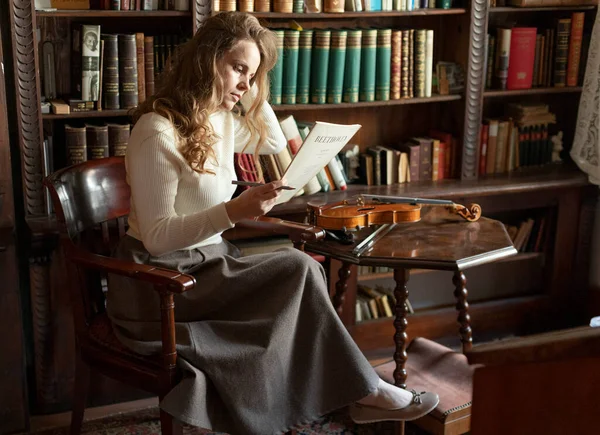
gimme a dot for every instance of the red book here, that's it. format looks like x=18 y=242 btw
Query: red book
x=522 y=56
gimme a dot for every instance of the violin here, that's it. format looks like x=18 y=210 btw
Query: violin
x=367 y=210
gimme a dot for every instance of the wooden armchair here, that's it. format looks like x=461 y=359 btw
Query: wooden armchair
x=91 y=201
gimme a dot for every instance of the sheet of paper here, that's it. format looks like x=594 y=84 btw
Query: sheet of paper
x=321 y=145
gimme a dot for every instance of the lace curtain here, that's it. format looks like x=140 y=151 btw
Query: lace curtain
x=586 y=144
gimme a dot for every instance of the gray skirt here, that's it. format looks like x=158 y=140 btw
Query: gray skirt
x=261 y=347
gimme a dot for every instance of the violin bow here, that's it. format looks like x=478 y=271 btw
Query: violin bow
x=471 y=213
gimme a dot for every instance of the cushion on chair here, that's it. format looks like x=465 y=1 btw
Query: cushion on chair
x=433 y=367
x=102 y=334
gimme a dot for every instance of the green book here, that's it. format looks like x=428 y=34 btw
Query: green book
x=337 y=64
x=368 y=58
x=304 y=58
x=383 y=64
x=276 y=74
x=290 y=66
x=319 y=67
x=352 y=67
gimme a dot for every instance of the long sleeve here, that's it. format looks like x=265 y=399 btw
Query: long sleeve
x=275 y=140
x=167 y=215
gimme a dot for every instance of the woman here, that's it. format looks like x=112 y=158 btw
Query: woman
x=260 y=345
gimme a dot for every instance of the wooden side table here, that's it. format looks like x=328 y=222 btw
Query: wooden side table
x=440 y=241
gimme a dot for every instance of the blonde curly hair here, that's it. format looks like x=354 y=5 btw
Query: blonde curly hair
x=190 y=88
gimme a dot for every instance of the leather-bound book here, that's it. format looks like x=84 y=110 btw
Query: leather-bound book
x=97 y=141
x=76 y=144
x=141 y=66
x=561 y=52
x=110 y=73
x=118 y=137
x=149 y=64
x=128 y=77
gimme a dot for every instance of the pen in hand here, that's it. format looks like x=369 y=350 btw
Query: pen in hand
x=254 y=184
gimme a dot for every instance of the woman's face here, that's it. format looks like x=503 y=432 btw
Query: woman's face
x=237 y=69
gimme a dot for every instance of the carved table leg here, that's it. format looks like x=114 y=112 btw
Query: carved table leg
x=462 y=306
x=340 y=287
x=401 y=276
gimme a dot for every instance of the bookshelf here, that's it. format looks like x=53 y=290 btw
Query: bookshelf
x=560 y=190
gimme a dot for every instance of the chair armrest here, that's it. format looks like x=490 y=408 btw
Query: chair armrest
x=173 y=281
x=297 y=232
x=550 y=346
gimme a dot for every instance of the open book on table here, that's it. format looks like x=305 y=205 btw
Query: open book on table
x=321 y=145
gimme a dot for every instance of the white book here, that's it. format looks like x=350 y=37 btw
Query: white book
x=322 y=144
x=428 y=61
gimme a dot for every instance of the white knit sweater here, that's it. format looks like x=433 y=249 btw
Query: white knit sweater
x=173 y=207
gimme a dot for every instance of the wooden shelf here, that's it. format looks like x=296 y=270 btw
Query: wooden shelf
x=402 y=101
x=88 y=114
x=535 y=179
x=509 y=9
x=112 y=14
x=341 y=16
x=533 y=91
x=390 y=275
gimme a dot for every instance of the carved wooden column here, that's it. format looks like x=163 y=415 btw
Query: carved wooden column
x=201 y=10
x=474 y=89
x=462 y=306
x=28 y=100
x=401 y=276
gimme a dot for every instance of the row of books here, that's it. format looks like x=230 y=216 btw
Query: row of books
x=350 y=65
x=327 y=6
x=133 y=5
x=529 y=235
x=376 y=302
x=116 y=71
x=522 y=58
x=95 y=141
x=521 y=139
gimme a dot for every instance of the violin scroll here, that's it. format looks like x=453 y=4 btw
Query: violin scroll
x=471 y=213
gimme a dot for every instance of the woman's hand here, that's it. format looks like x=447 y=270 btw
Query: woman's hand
x=253 y=202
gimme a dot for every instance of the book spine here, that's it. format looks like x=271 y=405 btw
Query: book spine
x=352 y=67
x=76 y=145
x=337 y=61
x=404 y=82
x=383 y=64
x=502 y=57
x=367 y=65
x=97 y=141
x=304 y=62
x=577 y=21
x=118 y=137
x=411 y=63
x=336 y=173
x=428 y=62
x=128 y=71
x=522 y=57
x=490 y=61
x=319 y=67
x=536 y=61
x=396 y=65
x=149 y=65
x=110 y=75
x=419 y=62
x=291 y=40
x=141 y=66
x=561 y=53
x=276 y=73
x=483 y=148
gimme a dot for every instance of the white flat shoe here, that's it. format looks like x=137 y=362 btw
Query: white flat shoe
x=422 y=403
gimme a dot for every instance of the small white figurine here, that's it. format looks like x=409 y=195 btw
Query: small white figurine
x=557 y=146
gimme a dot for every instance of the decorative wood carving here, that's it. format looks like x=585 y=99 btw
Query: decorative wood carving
x=28 y=102
x=39 y=275
x=474 y=88
x=202 y=10
x=462 y=306
x=400 y=323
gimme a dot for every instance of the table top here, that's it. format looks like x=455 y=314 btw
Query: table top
x=440 y=240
